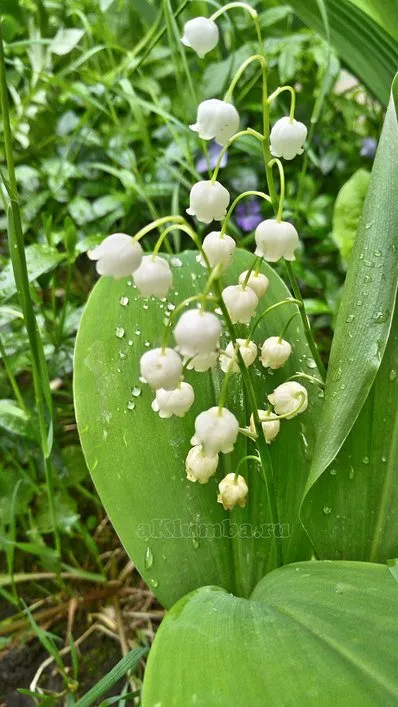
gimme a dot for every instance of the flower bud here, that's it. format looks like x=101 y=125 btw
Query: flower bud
x=241 y=303
x=203 y=362
x=216 y=119
x=233 y=492
x=118 y=255
x=197 y=332
x=161 y=368
x=200 y=466
x=228 y=360
x=218 y=249
x=201 y=34
x=216 y=430
x=275 y=352
x=290 y=397
x=257 y=281
x=287 y=138
x=275 y=240
x=174 y=402
x=270 y=424
x=153 y=277
x=208 y=201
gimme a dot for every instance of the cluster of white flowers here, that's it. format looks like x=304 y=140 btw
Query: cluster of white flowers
x=197 y=331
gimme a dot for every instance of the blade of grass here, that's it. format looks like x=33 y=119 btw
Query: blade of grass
x=126 y=664
x=17 y=253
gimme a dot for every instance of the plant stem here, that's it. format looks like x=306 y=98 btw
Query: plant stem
x=263 y=451
x=304 y=319
x=18 y=259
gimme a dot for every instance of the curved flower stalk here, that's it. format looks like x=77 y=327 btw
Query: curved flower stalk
x=193 y=334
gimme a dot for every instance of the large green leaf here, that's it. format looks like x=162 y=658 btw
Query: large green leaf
x=367 y=49
x=137 y=460
x=366 y=311
x=313 y=634
x=384 y=12
x=351 y=511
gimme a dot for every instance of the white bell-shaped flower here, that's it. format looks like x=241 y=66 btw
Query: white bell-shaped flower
x=270 y=424
x=200 y=466
x=232 y=492
x=201 y=34
x=289 y=399
x=275 y=352
x=208 y=201
x=287 y=138
x=257 y=281
x=118 y=255
x=161 y=368
x=241 y=303
x=216 y=119
x=216 y=430
x=174 y=402
x=203 y=362
x=153 y=277
x=219 y=250
x=228 y=360
x=197 y=332
x=275 y=240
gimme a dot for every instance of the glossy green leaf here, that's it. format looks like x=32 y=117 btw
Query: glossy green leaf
x=366 y=311
x=137 y=460
x=347 y=211
x=39 y=259
x=384 y=12
x=367 y=49
x=313 y=634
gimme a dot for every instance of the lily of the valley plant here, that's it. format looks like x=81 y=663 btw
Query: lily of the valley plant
x=191 y=339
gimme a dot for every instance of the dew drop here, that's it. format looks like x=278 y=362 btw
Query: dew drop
x=119 y=332
x=393 y=374
x=333 y=472
x=122 y=355
x=369 y=225
x=195 y=543
x=365 y=460
x=148 y=558
x=130 y=342
x=124 y=301
x=176 y=262
x=377 y=253
x=327 y=510
x=351 y=474
x=311 y=363
x=381 y=317
x=337 y=375
x=350 y=318
x=154 y=582
x=137 y=332
x=136 y=391
x=131 y=405
x=384 y=459
x=147 y=344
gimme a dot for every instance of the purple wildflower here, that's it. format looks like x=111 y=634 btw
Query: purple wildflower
x=205 y=163
x=368 y=149
x=248 y=214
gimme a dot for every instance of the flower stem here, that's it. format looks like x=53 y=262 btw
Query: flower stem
x=231 y=6
x=282 y=189
x=266 y=463
x=285 y=328
x=236 y=202
x=241 y=70
x=254 y=133
x=292 y=101
x=304 y=319
x=269 y=309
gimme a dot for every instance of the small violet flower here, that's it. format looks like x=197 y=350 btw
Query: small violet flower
x=248 y=214
x=369 y=147
x=206 y=163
